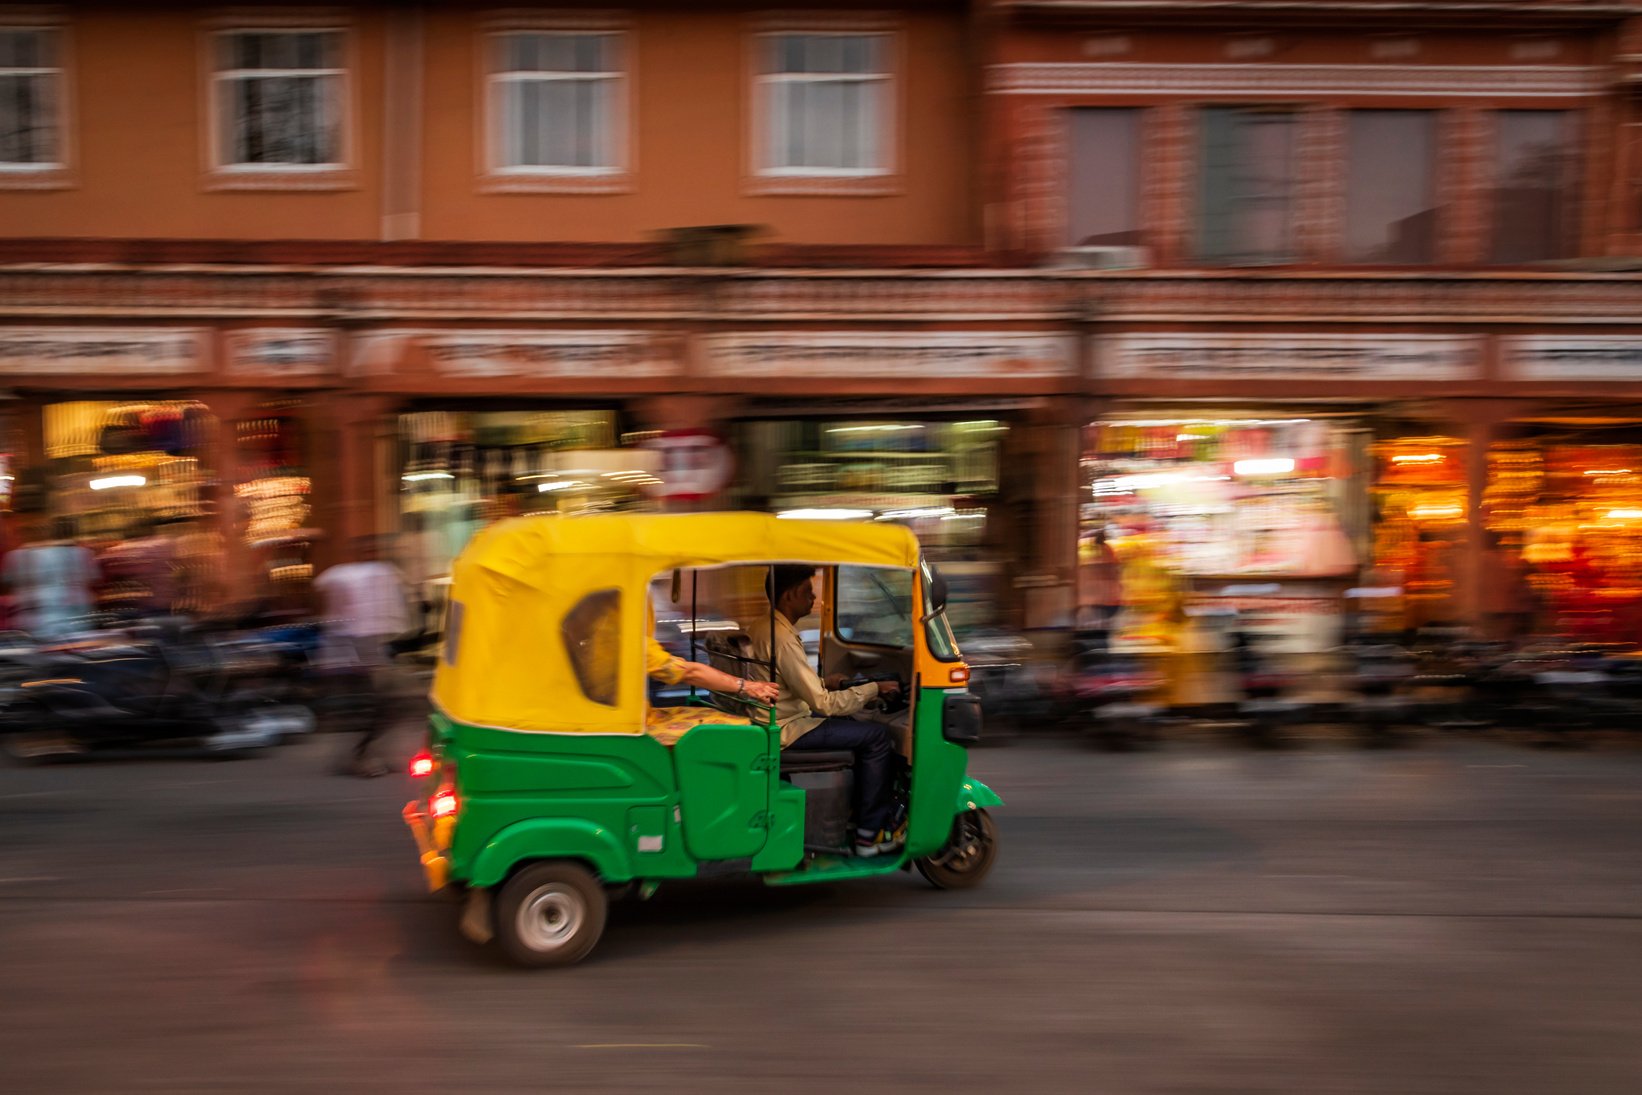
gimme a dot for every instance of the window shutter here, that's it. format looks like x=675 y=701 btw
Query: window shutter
x=1219 y=197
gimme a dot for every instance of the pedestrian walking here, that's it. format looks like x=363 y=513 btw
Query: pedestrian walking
x=366 y=606
x=50 y=582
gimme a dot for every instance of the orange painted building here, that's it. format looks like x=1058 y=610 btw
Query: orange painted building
x=997 y=266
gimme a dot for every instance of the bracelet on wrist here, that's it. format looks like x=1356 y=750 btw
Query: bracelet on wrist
x=741 y=687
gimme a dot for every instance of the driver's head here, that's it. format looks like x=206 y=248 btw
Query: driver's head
x=791 y=589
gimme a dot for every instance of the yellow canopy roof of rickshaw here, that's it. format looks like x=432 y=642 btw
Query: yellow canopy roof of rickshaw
x=506 y=662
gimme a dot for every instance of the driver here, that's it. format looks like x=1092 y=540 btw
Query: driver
x=811 y=716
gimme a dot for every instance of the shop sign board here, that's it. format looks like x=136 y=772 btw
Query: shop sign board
x=501 y=354
x=101 y=351
x=1565 y=357
x=889 y=355
x=695 y=464
x=1216 y=356
x=280 y=351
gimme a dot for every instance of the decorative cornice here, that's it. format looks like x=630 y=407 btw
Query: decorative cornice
x=1402 y=13
x=466 y=254
x=718 y=299
x=1306 y=81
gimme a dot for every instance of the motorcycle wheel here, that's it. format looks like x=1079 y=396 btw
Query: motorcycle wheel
x=970 y=851
x=25 y=746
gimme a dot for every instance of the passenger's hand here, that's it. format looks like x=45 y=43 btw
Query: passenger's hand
x=888 y=690
x=833 y=681
x=764 y=692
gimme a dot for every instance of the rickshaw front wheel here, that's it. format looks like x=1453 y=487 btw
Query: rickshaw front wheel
x=968 y=855
x=550 y=914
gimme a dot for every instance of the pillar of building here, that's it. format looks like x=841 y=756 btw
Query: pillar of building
x=25 y=440
x=1037 y=527
x=228 y=409
x=344 y=430
x=1481 y=422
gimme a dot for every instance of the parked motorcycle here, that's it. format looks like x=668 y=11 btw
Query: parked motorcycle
x=1111 y=697
x=1002 y=674
x=156 y=683
x=1380 y=676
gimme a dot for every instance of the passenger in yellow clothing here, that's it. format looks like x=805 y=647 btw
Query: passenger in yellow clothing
x=667 y=669
x=668 y=724
x=594 y=651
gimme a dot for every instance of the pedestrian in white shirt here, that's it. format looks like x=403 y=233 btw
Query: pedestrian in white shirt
x=365 y=606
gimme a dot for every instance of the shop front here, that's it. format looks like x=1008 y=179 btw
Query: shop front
x=938 y=476
x=1563 y=516
x=460 y=467
x=136 y=481
x=1193 y=523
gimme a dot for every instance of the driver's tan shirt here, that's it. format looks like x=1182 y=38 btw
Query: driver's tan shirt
x=804 y=700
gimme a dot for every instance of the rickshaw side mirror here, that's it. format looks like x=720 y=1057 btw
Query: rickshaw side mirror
x=937 y=593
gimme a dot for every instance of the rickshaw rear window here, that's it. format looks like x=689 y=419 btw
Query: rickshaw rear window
x=592 y=635
x=453 y=632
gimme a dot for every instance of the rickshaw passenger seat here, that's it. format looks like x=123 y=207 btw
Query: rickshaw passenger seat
x=816 y=760
x=668 y=724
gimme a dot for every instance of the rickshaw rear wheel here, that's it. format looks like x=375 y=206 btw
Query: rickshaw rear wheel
x=550 y=914
x=970 y=851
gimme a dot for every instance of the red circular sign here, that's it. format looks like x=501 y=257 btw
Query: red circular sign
x=695 y=464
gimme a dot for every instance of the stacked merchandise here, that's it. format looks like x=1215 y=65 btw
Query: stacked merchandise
x=1573 y=512
x=1420 y=529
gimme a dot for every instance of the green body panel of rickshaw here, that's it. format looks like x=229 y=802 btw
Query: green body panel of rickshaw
x=634 y=809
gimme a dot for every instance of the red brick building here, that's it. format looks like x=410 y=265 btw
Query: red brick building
x=1278 y=295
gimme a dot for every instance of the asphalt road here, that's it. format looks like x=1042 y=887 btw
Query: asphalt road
x=1456 y=917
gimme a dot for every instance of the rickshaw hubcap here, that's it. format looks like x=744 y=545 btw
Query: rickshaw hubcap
x=967 y=848
x=550 y=917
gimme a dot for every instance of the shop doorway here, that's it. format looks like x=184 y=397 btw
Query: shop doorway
x=1191 y=520
x=1563 y=513
x=938 y=476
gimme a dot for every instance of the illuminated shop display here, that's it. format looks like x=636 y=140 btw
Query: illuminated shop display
x=118 y=467
x=1570 y=511
x=275 y=497
x=1260 y=516
x=135 y=477
x=1420 y=504
x=460 y=470
x=939 y=478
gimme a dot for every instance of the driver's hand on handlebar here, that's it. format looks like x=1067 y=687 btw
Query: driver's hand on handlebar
x=764 y=692
x=888 y=690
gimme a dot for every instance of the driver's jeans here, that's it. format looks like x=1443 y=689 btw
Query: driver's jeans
x=873 y=746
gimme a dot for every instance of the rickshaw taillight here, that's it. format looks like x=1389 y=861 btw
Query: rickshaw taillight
x=443 y=803
x=422 y=764
x=960 y=675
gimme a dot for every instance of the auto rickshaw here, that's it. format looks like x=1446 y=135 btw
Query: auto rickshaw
x=550 y=783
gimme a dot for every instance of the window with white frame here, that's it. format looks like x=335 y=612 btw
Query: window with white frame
x=826 y=103
x=279 y=99
x=556 y=101
x=30 y=92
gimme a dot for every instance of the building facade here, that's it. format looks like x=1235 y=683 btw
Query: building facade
x=1276 y=299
